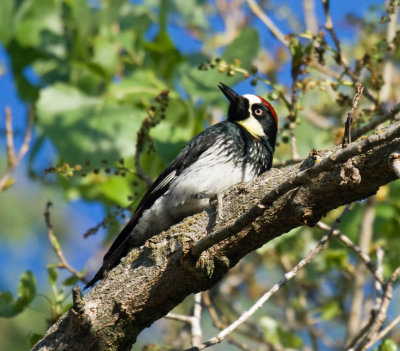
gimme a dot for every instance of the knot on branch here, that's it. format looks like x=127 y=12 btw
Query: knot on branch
x=80 y=320
x=314 y=157
x=394 y=159
x=349 y=174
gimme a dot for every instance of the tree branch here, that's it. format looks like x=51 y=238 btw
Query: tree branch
x=156 y=277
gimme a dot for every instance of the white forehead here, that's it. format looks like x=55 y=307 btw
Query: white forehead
x=253 y=99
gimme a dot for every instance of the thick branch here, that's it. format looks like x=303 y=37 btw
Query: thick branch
x=153 y=279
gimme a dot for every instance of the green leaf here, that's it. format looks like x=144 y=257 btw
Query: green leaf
x=36 y=16
x=9 y=306
x=141 y=84
x=53 y=274
x=86 y=128
x=105 y=54
x=35 y=337
x=244 y=48
x=72 y=280
x=7 y=20
x=388 y=345
x=330 y=310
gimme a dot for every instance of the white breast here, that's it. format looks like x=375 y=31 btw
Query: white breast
x=214 y=172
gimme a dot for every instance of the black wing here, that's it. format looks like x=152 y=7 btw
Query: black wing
x=189 y=154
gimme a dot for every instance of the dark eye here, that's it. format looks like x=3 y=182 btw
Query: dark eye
x=258 y=112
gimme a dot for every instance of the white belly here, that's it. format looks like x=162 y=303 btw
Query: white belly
x=210 y=174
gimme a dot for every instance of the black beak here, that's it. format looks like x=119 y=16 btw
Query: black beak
x=232 y=95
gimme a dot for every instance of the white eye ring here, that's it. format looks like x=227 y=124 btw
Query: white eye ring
x=258 y=112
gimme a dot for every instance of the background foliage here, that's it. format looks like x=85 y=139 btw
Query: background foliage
x=93 y=75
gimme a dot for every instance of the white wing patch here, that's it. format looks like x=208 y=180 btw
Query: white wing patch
x=164 y=182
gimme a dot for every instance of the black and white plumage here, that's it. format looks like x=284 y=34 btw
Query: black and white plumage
x=230 y=152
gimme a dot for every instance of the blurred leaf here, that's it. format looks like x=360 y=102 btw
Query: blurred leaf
x=52 y=274
x=276 y=335
x=330 y=310
x=71 y=281
x=192 y=12
x=36 y=16
x=85 y=128
x=337 y=257
x=6 y=24
x=105 y=54
x=142 y=84
x=244 y=48
x=9 y=306
x=388 y=345
x=35 y=337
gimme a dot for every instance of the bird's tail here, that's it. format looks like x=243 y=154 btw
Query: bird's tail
x=111 y=259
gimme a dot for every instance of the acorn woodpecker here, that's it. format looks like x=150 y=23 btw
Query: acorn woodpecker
x=227 y=153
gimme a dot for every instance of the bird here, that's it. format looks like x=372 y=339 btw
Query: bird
x=233 y=151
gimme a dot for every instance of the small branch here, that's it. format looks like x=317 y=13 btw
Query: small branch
x=355 y=315
x=56 y=246
x=340 y=58
x=302 y=177
x=379 y=286
x=289 y=275
x=384 y=332
x=363 y=256
x=376 y=122
x=388 y=67
x=11 y=160
x=378 y=318
x=258 y=11
x=219 y=324
x=193 y=321
x=347 y=131
x=309 y=16
x=197 y=334
x=179 y=317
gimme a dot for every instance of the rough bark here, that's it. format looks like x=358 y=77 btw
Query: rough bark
x=155 y=278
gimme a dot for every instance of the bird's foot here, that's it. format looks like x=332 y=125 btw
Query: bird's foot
x=215 y=200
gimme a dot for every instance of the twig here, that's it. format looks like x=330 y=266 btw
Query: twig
x=220 y=324
x=309 y=16
x=347 y=131
x=379 y=286
x=258 y=11
x=193 y=321
x=303 y=176
x=378 y=318
x=355 y=314
x=340 y=58
x=362 y=255
x=289 y=275
x=12 y=160
x=376 y=122
x=56 y=246
x=387 y=70
x=179 y=317
x=384 y=332
x=197 y=334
